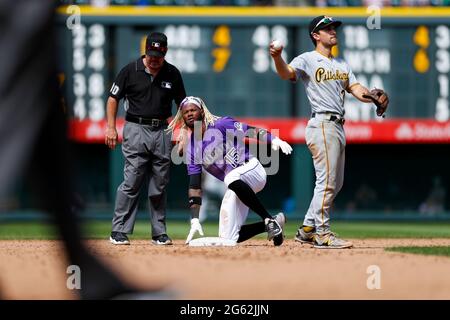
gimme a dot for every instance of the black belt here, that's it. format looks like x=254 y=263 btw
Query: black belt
x=146 y=121
x=332 y=118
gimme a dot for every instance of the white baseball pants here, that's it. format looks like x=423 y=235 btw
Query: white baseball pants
x=233 y=212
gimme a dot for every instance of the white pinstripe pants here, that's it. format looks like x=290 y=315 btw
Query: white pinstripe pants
x=233 y=212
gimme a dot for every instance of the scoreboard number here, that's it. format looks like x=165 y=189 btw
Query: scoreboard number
x=261 y=38
x=90 y=68
x=221 y=38
x=443 y=67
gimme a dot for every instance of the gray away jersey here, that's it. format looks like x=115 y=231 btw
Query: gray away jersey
x=326 y=80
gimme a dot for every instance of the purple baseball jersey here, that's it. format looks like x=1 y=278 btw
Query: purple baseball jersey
x=221 y=149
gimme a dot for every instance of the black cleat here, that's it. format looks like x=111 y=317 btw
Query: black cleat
x=119 y=238
x=162 y=239
x=281 y=219
x=273 y=229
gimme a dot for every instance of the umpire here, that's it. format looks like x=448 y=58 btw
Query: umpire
x=148 y=85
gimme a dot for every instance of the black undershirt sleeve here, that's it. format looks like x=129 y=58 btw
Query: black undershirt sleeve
x=195 y=181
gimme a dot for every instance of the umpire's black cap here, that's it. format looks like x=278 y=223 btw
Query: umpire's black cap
x=322 y=22
x=156 y=44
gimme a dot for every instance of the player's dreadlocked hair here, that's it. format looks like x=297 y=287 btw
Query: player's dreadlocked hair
x=208 y=119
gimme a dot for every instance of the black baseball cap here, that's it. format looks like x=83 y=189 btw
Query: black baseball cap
x=321 y=22
x=156 y=44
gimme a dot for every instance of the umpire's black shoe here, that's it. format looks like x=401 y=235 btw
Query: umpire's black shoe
x=162 y=239
x=273 y=228
x=119 y=238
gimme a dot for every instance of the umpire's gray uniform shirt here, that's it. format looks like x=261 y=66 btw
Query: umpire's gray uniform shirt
x=326 y=80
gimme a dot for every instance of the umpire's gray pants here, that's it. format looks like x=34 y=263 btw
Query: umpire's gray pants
x=147 y=156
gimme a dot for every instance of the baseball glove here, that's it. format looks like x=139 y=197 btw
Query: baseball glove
x=380 y=99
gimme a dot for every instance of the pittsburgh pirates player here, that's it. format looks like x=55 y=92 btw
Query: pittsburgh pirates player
x=326 y=80
x=216 y=145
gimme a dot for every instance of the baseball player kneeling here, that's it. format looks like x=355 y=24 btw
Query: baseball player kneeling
x=216 y=144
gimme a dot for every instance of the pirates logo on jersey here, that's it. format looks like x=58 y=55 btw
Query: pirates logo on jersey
x=323 y=75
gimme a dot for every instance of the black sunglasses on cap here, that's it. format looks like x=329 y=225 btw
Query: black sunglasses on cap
x=324 y=22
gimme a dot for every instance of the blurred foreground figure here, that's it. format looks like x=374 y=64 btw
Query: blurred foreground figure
x=33 y=135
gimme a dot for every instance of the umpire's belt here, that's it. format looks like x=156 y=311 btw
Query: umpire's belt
x=329 y=116
x=147 y=121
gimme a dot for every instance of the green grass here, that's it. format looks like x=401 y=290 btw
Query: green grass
x=392 y=229
x=26 y=231
x=180 y=229
x=435 y=251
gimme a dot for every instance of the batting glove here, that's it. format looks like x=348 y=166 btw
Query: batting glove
x=277 y=143
x=195 y=226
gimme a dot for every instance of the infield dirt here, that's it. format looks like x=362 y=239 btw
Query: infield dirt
x=34 y=269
